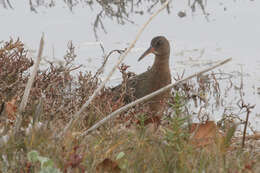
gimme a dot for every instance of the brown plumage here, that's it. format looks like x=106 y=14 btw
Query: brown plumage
x=156 y=77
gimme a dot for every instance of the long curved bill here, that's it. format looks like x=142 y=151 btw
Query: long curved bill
x=148 y=51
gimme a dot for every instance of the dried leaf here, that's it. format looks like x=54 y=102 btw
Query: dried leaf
x=108 y=166
x=204 y=134
x=11 y=109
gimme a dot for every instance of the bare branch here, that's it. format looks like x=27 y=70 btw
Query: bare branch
x=28 y=87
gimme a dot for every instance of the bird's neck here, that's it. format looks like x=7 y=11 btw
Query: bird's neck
x=161 y=72
x=161 y=63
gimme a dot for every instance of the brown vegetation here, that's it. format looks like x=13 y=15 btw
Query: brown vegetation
x=125 y=144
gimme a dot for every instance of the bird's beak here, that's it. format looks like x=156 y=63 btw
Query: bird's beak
x=148 y=51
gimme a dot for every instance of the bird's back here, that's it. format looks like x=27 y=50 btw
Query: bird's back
x=143 y=84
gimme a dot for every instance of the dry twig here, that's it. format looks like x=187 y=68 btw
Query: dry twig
x=28 y=87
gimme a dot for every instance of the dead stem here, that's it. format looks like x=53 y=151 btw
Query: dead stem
x=28 y=87
x=248 y=108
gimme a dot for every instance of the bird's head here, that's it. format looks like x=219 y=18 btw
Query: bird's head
x=160 y=46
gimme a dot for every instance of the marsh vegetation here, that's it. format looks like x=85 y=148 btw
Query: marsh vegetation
x=187 y=140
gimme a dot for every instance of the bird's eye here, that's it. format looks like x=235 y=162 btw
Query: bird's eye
x=158 y=43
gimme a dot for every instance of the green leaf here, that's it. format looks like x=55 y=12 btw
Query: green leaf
x=33 y=156
x=45 y=162
x=120 y=155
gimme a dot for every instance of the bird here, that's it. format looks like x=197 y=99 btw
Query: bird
x=156 y=77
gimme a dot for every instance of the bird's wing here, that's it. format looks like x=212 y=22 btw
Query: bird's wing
x=137 y=84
